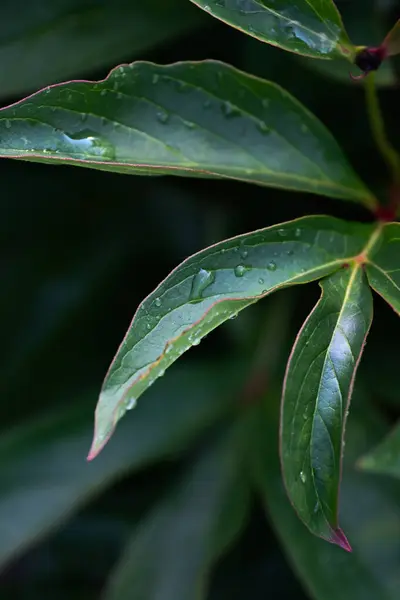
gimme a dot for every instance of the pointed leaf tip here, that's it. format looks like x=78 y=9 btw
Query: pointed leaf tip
x=341 y=540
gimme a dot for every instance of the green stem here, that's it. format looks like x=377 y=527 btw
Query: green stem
x=392 y=158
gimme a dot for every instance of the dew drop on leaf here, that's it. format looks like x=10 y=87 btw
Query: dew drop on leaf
x=162 y=117
x=303 y=477
x=282 y=232
x=157 y=302
x=261 y=281
x=240 y=270
x=155 y=78
x=86 y=143
x=271 y=266
x=200 y=283
x=230 y=110
x=131 y=403
x=297 y=232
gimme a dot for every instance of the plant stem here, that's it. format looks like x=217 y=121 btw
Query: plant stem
x=392 y=158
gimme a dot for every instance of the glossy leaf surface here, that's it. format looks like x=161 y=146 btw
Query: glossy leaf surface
x=383 y=267
x=316 y=395
x=310 y=27
x=195 y=523
x=370 y=514
x=392 y=40
x=385 y=458
x=209 y=288
x=43 y=473
x=204 y=119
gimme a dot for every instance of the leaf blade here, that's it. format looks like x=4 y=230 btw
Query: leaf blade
x=193 y=119
x=209 y=288
x=369 y=512
x=307 y=27
x=316 y=394
x=382 y=265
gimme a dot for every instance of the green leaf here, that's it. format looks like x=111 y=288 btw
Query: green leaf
x=64 y=40
x=392 y=41
x=172 y=551
x=385 y=458
x=316 y=395
x=362 y=30
x=205 y=119
x=44 y=477
x=370 y=513
x=211 y=287
x=383 y=266
x=309 y=27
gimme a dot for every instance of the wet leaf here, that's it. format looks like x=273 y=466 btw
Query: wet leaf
x=370 y=513
x=309 y=27
x=317 y=390
x=383 y=265
x=197 y=520
x=200 y=119
x=209 y=288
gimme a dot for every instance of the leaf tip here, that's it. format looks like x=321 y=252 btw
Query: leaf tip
x=339 y=538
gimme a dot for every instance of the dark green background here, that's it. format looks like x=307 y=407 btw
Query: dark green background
x=80 y=249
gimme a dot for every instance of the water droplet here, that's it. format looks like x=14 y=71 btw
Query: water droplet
x=303 y=477
x=271 y=266
x=189 y=124
x=282 y=232
x=103 y=92
x=89 y=144
x=233 y=316
x=156 y=78
x=263 y=127
x=297 y=232
x=244 y=254
x=158 y=302
x=261 y=281
x=131 y=403
x=240 y=270
x=230 y=111
x=201 y=281
x=161 y=373
x=290 y=252
x=148 y=326
x=84 y=117
x=7 y=123
x=163 y=116
x=305 y=414
x=196 y=341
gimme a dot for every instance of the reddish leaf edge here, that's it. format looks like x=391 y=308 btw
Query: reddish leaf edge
x=96 y=447
x=336 y=535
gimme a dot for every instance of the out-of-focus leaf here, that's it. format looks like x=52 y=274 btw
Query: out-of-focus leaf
x=385 y=458
x=383 y=267
x=309 y=27
x=316 y=396
x=44 y=475
x=45 y=41
x=172 y=551
x=392 y=40
x=209 y=288
x=202 y=119
x=370 y=513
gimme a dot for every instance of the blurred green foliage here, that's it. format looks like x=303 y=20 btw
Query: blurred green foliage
x=80 y=249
